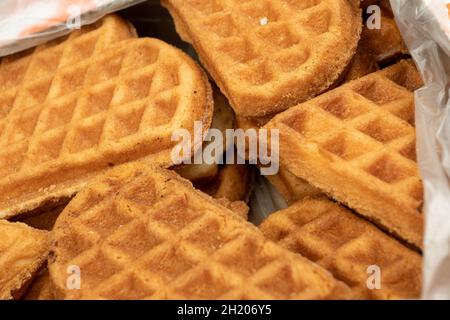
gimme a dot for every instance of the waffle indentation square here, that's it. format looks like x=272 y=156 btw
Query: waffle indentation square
x=245 y=257
x=331 y=230
x=11 y=158
x=316 y=22
x=100 y=268
x=135 y=240
x=278 y=37
x=126 y=121
x=69 y=81
x=409 y=151
x=169 y=263
x=75 y=242
x=23 y=126
x=11 y=74
x=165 y=80
x=106 y=221
x=96 y=101
x=238 y=50
x=59 y=113
x=257 y=74
x=378 y=92
x=48 y=146
x=204 y=286
x=46 y=63
x=306 y=123
x=221 y=24
x=281 y=283
x=255 y=11
x=130 y=288
x=208 y=237
x=163 y=109
x=34 y=94
x=348 y=146
x=176 y=215
x=142 y=196
x=105 y=70
x=141 y=57
x=133 y=89
x=361 y=253
x=383 y=130
x=342 y=108
x=80 y=50
x=388 y=170
x=291 y=61
x=87 y=135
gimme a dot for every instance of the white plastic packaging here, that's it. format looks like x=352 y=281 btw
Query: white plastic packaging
x=27 y=23
x=425 y=26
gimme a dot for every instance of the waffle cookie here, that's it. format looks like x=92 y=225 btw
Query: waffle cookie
x=233 y=182
x=23 y=251
x=346 y=245
x=357 y=144
x=166 y=240
x=363 y=63
x=291 y=188
x=62 y=126
x=384 y=44
x=269 y=55
x=223 y=119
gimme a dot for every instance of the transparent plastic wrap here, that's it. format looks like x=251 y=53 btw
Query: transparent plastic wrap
x=425 y=26
x=27 y=23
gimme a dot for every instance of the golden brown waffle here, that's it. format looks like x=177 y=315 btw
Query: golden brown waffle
x=122 y=104
x=362 y=64
x=357 y=144
x=166 y=240
x=384 y=44
x=233 y=182
x=198 y=173
x=40 y=288
x=346 y=245
x=23 y=250
x=239 y=208
x=291 y=188
x=268 y=55
x=223 y=119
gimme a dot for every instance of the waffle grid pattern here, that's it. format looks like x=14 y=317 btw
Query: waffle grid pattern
x=346 y=245
x=259 y=48
x=95 y=106
x=365 y=130
x=370 y=134
x=54 y=125
x=160 y=239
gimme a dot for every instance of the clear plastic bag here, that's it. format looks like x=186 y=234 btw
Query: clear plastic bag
x=27 y=23
x=425 y=26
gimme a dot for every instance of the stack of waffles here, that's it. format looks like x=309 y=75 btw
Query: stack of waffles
x=93 y=205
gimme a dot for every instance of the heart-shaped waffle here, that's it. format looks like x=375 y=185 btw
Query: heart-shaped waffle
x=63 y=123
x=268 y=55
